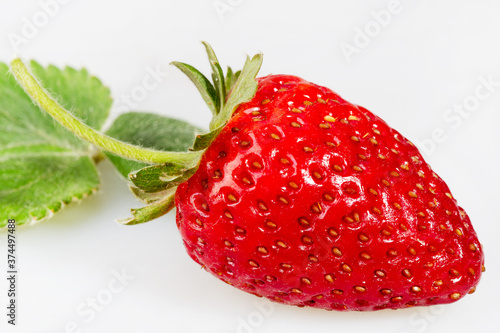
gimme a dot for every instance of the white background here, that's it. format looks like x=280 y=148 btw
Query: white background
x=426 y=57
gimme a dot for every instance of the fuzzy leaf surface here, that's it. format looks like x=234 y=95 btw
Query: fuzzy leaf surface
x=43 y=166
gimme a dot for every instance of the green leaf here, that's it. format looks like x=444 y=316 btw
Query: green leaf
x=42 y=165
x=152 y=131
x=204 y=86
x=92 y=105
x=151 y=212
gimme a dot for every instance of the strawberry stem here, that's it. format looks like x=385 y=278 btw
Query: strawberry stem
x=87 y=133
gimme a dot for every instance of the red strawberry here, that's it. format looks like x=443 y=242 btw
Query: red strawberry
x=307 y=199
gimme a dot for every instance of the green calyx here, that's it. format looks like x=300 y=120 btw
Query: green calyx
x=224 y=94
x=156 y=183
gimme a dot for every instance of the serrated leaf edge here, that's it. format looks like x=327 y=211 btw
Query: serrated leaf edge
x=49 y=213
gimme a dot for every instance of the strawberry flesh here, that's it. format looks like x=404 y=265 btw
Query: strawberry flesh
x=309 y=200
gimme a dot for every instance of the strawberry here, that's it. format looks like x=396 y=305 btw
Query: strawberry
x=309 y=200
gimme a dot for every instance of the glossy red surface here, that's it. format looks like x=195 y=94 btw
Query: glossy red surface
x=307 y=199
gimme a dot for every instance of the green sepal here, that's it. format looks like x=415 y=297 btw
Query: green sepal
x=204 y=86
x=217 y=75
x=243 y=91
x=220 y=86
x=231 y=78
x=160 y=177
x=152 y=211
x=202 y=141
x=242 y=87
x=148 y=198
